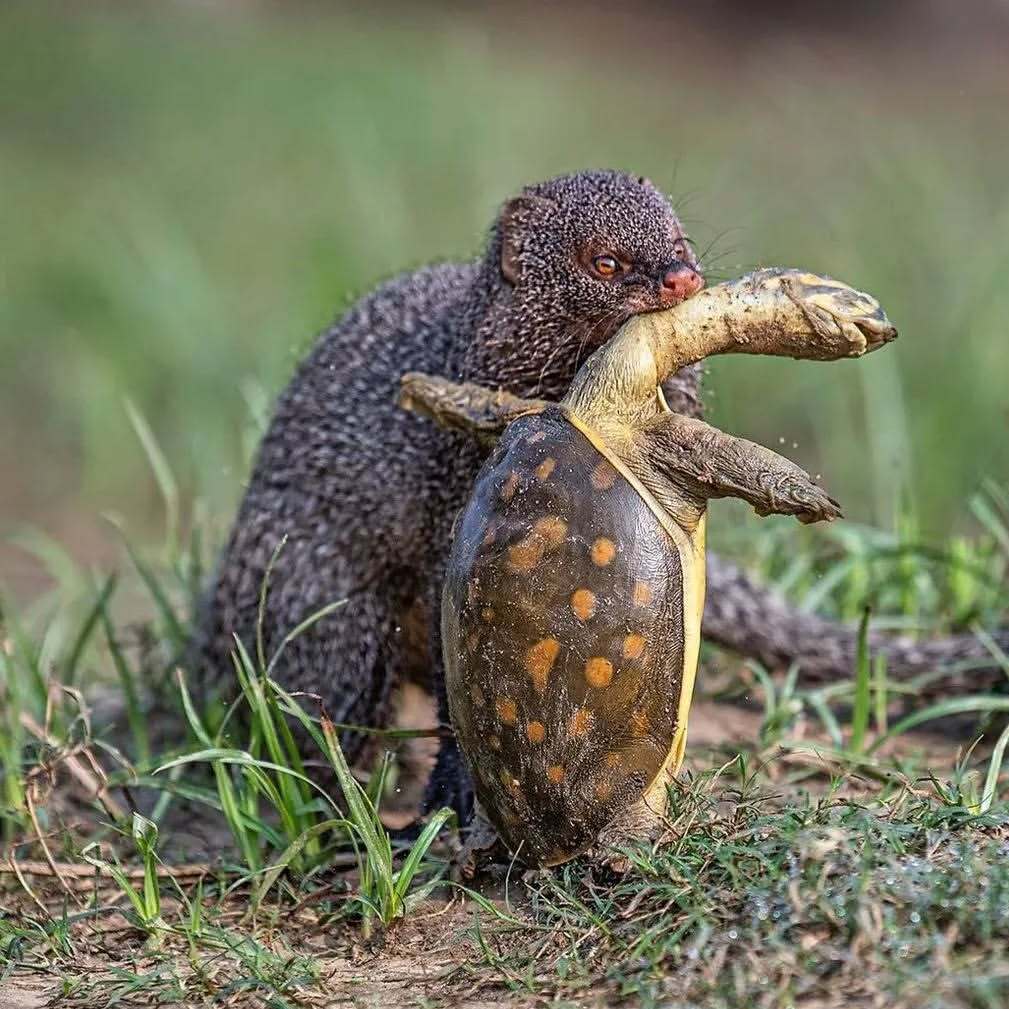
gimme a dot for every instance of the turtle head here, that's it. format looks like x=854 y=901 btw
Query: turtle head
x=778 y=312
x=784 y=313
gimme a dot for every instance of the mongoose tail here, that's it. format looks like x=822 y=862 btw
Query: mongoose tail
x=749 y=618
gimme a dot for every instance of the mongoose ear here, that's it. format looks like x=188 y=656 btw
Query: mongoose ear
x=517 y=216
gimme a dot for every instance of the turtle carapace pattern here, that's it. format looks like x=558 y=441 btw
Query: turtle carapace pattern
x=571 y=612
x=569 y=618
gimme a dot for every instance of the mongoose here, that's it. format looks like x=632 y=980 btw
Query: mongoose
x=366 y=493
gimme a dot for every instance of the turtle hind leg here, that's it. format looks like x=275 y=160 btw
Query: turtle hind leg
x=481 y=851
x=639 y=822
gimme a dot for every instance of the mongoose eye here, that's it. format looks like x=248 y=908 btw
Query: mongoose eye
x=606 y=266
x=681 y=250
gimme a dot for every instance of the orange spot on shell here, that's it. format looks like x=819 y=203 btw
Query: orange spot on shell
x=507 y=710
x=536 y=732
x=604 y=476
x=580 y=722
x=583 y=604
x=598 y=672
x=539 y=661
x=614 y=758
x=555 y=774
x=603 y=790
x=510 y=485
x=551 y=530
x=526 y=554
x=634 y=646
x=603 y=551
x=642 y=593
x=640 y=722
x=545 y=468
x=487 y=615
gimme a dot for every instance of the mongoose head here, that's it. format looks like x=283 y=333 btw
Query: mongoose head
x=578 y=255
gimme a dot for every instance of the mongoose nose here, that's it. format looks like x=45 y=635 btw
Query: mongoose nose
x=679 y=283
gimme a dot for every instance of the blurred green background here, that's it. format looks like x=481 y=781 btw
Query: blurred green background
x=189 y=192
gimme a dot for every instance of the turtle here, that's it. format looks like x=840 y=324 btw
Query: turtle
x=573 y=594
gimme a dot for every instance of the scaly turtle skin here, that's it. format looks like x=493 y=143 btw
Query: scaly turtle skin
x=575 y=588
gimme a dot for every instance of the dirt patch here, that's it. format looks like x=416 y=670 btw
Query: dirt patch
x=423 y=960
x=24 y=993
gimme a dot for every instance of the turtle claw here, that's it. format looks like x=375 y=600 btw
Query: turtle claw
x=480 y=846
x=857 y=316
x=818 y=506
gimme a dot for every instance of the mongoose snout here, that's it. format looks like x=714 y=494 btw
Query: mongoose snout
x=679 y=283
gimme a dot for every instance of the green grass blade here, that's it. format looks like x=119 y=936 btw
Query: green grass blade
x=376 y=868
x=91 y=621
x=863 y=688
x=263 y=590
x=819 y=704
x=301 y=628
x=993 y=647
x=173 y=626
x=134 y=715
x=943 y=709
x=194 y=720
x=290 y=854
x=162 y=474
x=419 y=849
x=880 y=696
x=994 y=769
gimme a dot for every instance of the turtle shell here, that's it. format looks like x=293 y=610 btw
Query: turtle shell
x=564 y=639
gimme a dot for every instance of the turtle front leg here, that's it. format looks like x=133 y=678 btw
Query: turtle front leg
x=713 y=464
x=463 y=406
